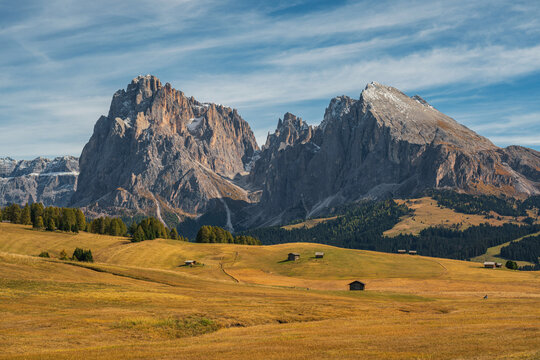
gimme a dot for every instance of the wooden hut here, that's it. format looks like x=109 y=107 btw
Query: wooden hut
x=490 y=264
x=319 y=255
x=356 y=285
x=293 y=256
x=498 y=265
x=402 y=251
x=412 y=252
x=190 y=262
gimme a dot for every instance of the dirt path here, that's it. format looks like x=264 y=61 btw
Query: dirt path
x=225 y=271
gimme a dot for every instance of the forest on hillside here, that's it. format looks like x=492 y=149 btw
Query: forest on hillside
x=526 y=249
x=483 y=204
x=361 y=226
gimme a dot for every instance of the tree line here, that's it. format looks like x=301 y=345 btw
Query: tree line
x=215 y=234
x=357 y=226
x=477 y=204
x=361 y=226
x=526 y=249
x=484 y=204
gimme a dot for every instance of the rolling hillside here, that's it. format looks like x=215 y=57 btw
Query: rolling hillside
x=136 y=302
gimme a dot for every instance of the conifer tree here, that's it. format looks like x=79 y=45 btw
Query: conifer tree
x=51 y=226
x=38 y=224
x=25 y=216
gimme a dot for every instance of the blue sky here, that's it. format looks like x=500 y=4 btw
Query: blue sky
x=61 y=61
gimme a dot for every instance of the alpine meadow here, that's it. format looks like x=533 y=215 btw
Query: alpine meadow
x=311 y=179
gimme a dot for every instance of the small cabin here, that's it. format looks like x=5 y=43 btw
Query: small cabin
x=402 y=251
x=190 y=262
x=356 y=285
x=293 y=256
x=412 y=252
x=319 y=255
x=498 y=265
x=490 y=264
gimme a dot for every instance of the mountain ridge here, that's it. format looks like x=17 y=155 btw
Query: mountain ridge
x=159 y=152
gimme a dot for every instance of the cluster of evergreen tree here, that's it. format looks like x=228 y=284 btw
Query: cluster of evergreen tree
x=83 y=255
x=526 y=249
x=48 y=218
x=531 y=202
x=477 y=204
x=361 y=227
x=215 y=234
x=357 y=226
x=17 y=215
x=107 y=226
x=150 y=229
x=456 y=244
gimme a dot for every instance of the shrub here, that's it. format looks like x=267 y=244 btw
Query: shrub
x=44 y=254
x=512 y=265
x=63 y=255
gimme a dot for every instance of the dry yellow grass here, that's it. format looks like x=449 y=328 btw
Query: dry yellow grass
x=136 y=303
x=308 y=224
x=427 y=213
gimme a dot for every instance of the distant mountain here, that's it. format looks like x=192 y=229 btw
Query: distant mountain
x=51 y=182
x=161 y=153
x=385 y=144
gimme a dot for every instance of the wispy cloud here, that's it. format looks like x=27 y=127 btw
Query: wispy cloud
x=63 y=59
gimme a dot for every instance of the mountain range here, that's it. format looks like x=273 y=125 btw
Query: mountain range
x=159 y=152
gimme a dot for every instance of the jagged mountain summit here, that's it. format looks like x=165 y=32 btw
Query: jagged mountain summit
x=385 y=144
x=160 y=152
x=51 y=182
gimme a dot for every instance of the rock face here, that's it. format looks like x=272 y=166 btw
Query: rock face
x=51 y=182
x=162 y=153
x=384 y=144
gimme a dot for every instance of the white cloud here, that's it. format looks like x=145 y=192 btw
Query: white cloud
x=67 y=58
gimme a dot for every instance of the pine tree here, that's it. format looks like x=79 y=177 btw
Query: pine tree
x=138 y=235
x=80 y=220
x=38 y=224
x=25 y=216
x=174 y=234
x=51 y=226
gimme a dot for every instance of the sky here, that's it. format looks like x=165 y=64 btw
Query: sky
x=62 y=60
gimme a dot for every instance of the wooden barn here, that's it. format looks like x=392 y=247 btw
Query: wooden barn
x=356 y=285
x=190 y=262
x=498 y=265
x=319 y=255
x=293 y=256
x=490 y=264
x=413 y=252
x=402 y=251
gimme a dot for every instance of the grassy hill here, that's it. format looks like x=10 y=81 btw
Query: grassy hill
x=136 y=302
x=426 y=213
x=494 y=254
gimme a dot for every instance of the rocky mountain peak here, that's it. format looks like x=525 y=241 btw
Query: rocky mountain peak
x=415 y=121
x=338 y=107
x=290 y=130
x=160 y=151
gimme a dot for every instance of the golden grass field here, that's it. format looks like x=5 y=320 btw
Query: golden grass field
x=245 y=302
x=427 y=213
